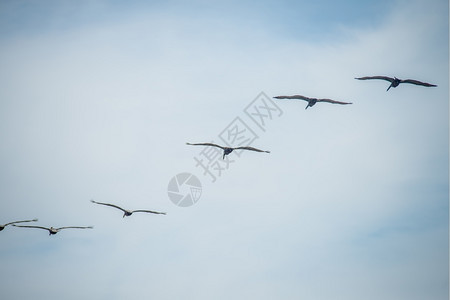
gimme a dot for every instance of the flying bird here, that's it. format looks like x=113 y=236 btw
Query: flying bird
x=53 y=230
x=311 y=101
x=126 y=212
x=15 y=222
x=228 y=150
x=395 y=81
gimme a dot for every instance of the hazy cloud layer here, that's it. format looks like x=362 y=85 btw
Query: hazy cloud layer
x=351 y=203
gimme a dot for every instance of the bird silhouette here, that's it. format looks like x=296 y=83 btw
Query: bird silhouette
x=126 y=212
x=395 y=81
x=53 y=230
x=228 y=150
x=15 y=222
x=311 y=101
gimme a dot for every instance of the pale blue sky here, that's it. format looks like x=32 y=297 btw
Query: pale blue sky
x=305 y=19
x=97 y=101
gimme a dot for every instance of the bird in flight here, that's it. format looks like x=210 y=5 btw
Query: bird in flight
x=311 y=101
x=53 y=230
x=126 y=212
x=228 y=150
x=395 y=81
x=15 y=222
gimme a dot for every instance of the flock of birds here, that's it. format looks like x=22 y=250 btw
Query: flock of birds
x=226 y=150
x=395 y=82
x=55 y=230
x=312 y=101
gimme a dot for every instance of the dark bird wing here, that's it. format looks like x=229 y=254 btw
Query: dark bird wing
x=15 y=222
x=251 y=148
x=333 y=101
x=300 y=97
x=78 y=227
x=108 y=204
x=390 y=79
x=29 y=226
x=149 y=211
x=206 y=144
x=416 y=82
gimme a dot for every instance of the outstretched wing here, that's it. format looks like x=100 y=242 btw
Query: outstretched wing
x=15 y=222
x=29 y=226
x=300 y=97
x=206 y=144
x=252 y=149
x=417 y=82
x=108 y=204
x=333 y=101
x=390 y=79
x=149 y=211
x=78 y=227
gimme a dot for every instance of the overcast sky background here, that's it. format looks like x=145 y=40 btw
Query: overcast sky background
x=97 y=101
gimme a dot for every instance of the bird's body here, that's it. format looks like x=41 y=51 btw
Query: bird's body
x=15 y=222
x=311 y=101
x=53 y=230
x=228 y=150
x=126 y=212
x=395 y=82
